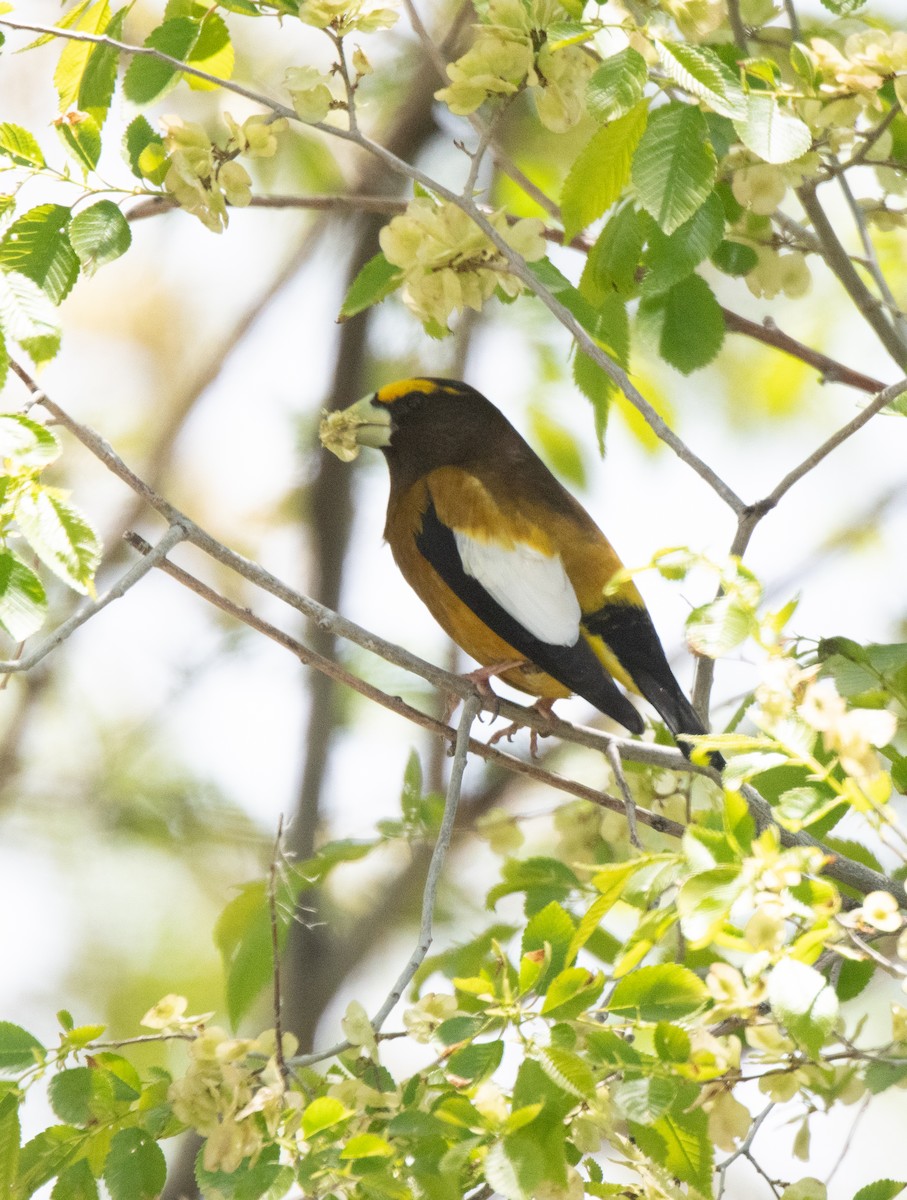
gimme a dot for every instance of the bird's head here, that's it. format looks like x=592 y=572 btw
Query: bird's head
x=438 y=419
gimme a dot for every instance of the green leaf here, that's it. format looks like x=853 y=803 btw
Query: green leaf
x=10 y=1140
x=99 y=234
x=75 y=55
x=699 y=71
x=23 y=607
x=377 y=279
x=28 y=316
x=807 y=1188
x=26 y=442
x=675 y=166
x=882 y=1189
x=617 y=85
x=213 y=52
x=75 y=1182
x=100 y=75
x=705 y=901
x=149 y=78
x=672 y=1044
x=551 y=926
x=645 y=1100
x=135 y=1167
x=734 y=258
x=687 y=325
x=81 y=135
x=772 y=132
x=612 y=263
x=665 y=992
x=476 y=1061
x=548 y=878
x=70 y=1095
x=571 y=992
x=803 y=1003
x=60 y=536
x=144 y=150
x=267 y=1179
x=671 y=259
x=323 y=1113
x=37 y=245
x=367 y=1145
x=568 y=1071
x=601 y=171
x=844 y=8
x=242 y=934
x=680 y=1142
x=20 y=146
x=557 y=446
x=716 y=628
x=45 y=1155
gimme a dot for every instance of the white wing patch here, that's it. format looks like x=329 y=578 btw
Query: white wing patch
x=533 y=587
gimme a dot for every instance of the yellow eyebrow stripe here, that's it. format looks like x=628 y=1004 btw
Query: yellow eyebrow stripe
x=403 y=387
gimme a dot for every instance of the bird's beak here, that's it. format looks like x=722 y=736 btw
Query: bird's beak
x=364 y=423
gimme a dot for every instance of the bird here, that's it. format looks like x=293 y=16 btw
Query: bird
x=508 y=562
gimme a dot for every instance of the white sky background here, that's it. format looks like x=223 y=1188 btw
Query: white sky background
x=239 y=724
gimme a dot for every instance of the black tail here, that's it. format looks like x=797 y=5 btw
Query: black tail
x=630 y=634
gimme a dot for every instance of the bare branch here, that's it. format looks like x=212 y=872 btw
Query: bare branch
x=175 y=534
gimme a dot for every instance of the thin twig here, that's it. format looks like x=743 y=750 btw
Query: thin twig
x=851 y=1134
x=792 y=19
x=175 y=534
x=872 y=262
x=613 y=756
x=471 y=709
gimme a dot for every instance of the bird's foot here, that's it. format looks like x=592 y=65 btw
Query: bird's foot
x=480 y=678
x=544 y=708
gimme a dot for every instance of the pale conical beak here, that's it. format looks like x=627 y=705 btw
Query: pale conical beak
x=362 y=424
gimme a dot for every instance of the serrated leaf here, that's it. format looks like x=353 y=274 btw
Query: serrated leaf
x=69 y=1093
x=144 y=150
x=19 y=1049
x=149 y=78
x=501 y=1175
x=675 y=167
x=882 y=1189
x=60 y=536
x=601 y=170
x=367 y=1145
x=551 y=926
x=665 y=992
x=265 y=1178
x=20 y=146
x=100 y=75
x=26 y=312
x=670 y=259
x=81 y=135
x=844 y=8
x=617 y=85
x=568 y=1071
x=377 y=279
x=686 y=323
x=23 y=607
x=75 y=1182
x=476 y=1061
x=99 y=234
x=716 y=628
x=612 y=263
x=135 y=1168
x=705 y=901
x=76 y=54
x=699 y=71
x=213 y=52
x=680 y=1142
x=803 y=1003
x=36 y=245
x=645 y=1100
x=572 y=991
x=10 y=1139
x=770 y=131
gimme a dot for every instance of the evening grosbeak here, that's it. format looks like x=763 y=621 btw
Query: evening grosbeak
x=506 y=560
